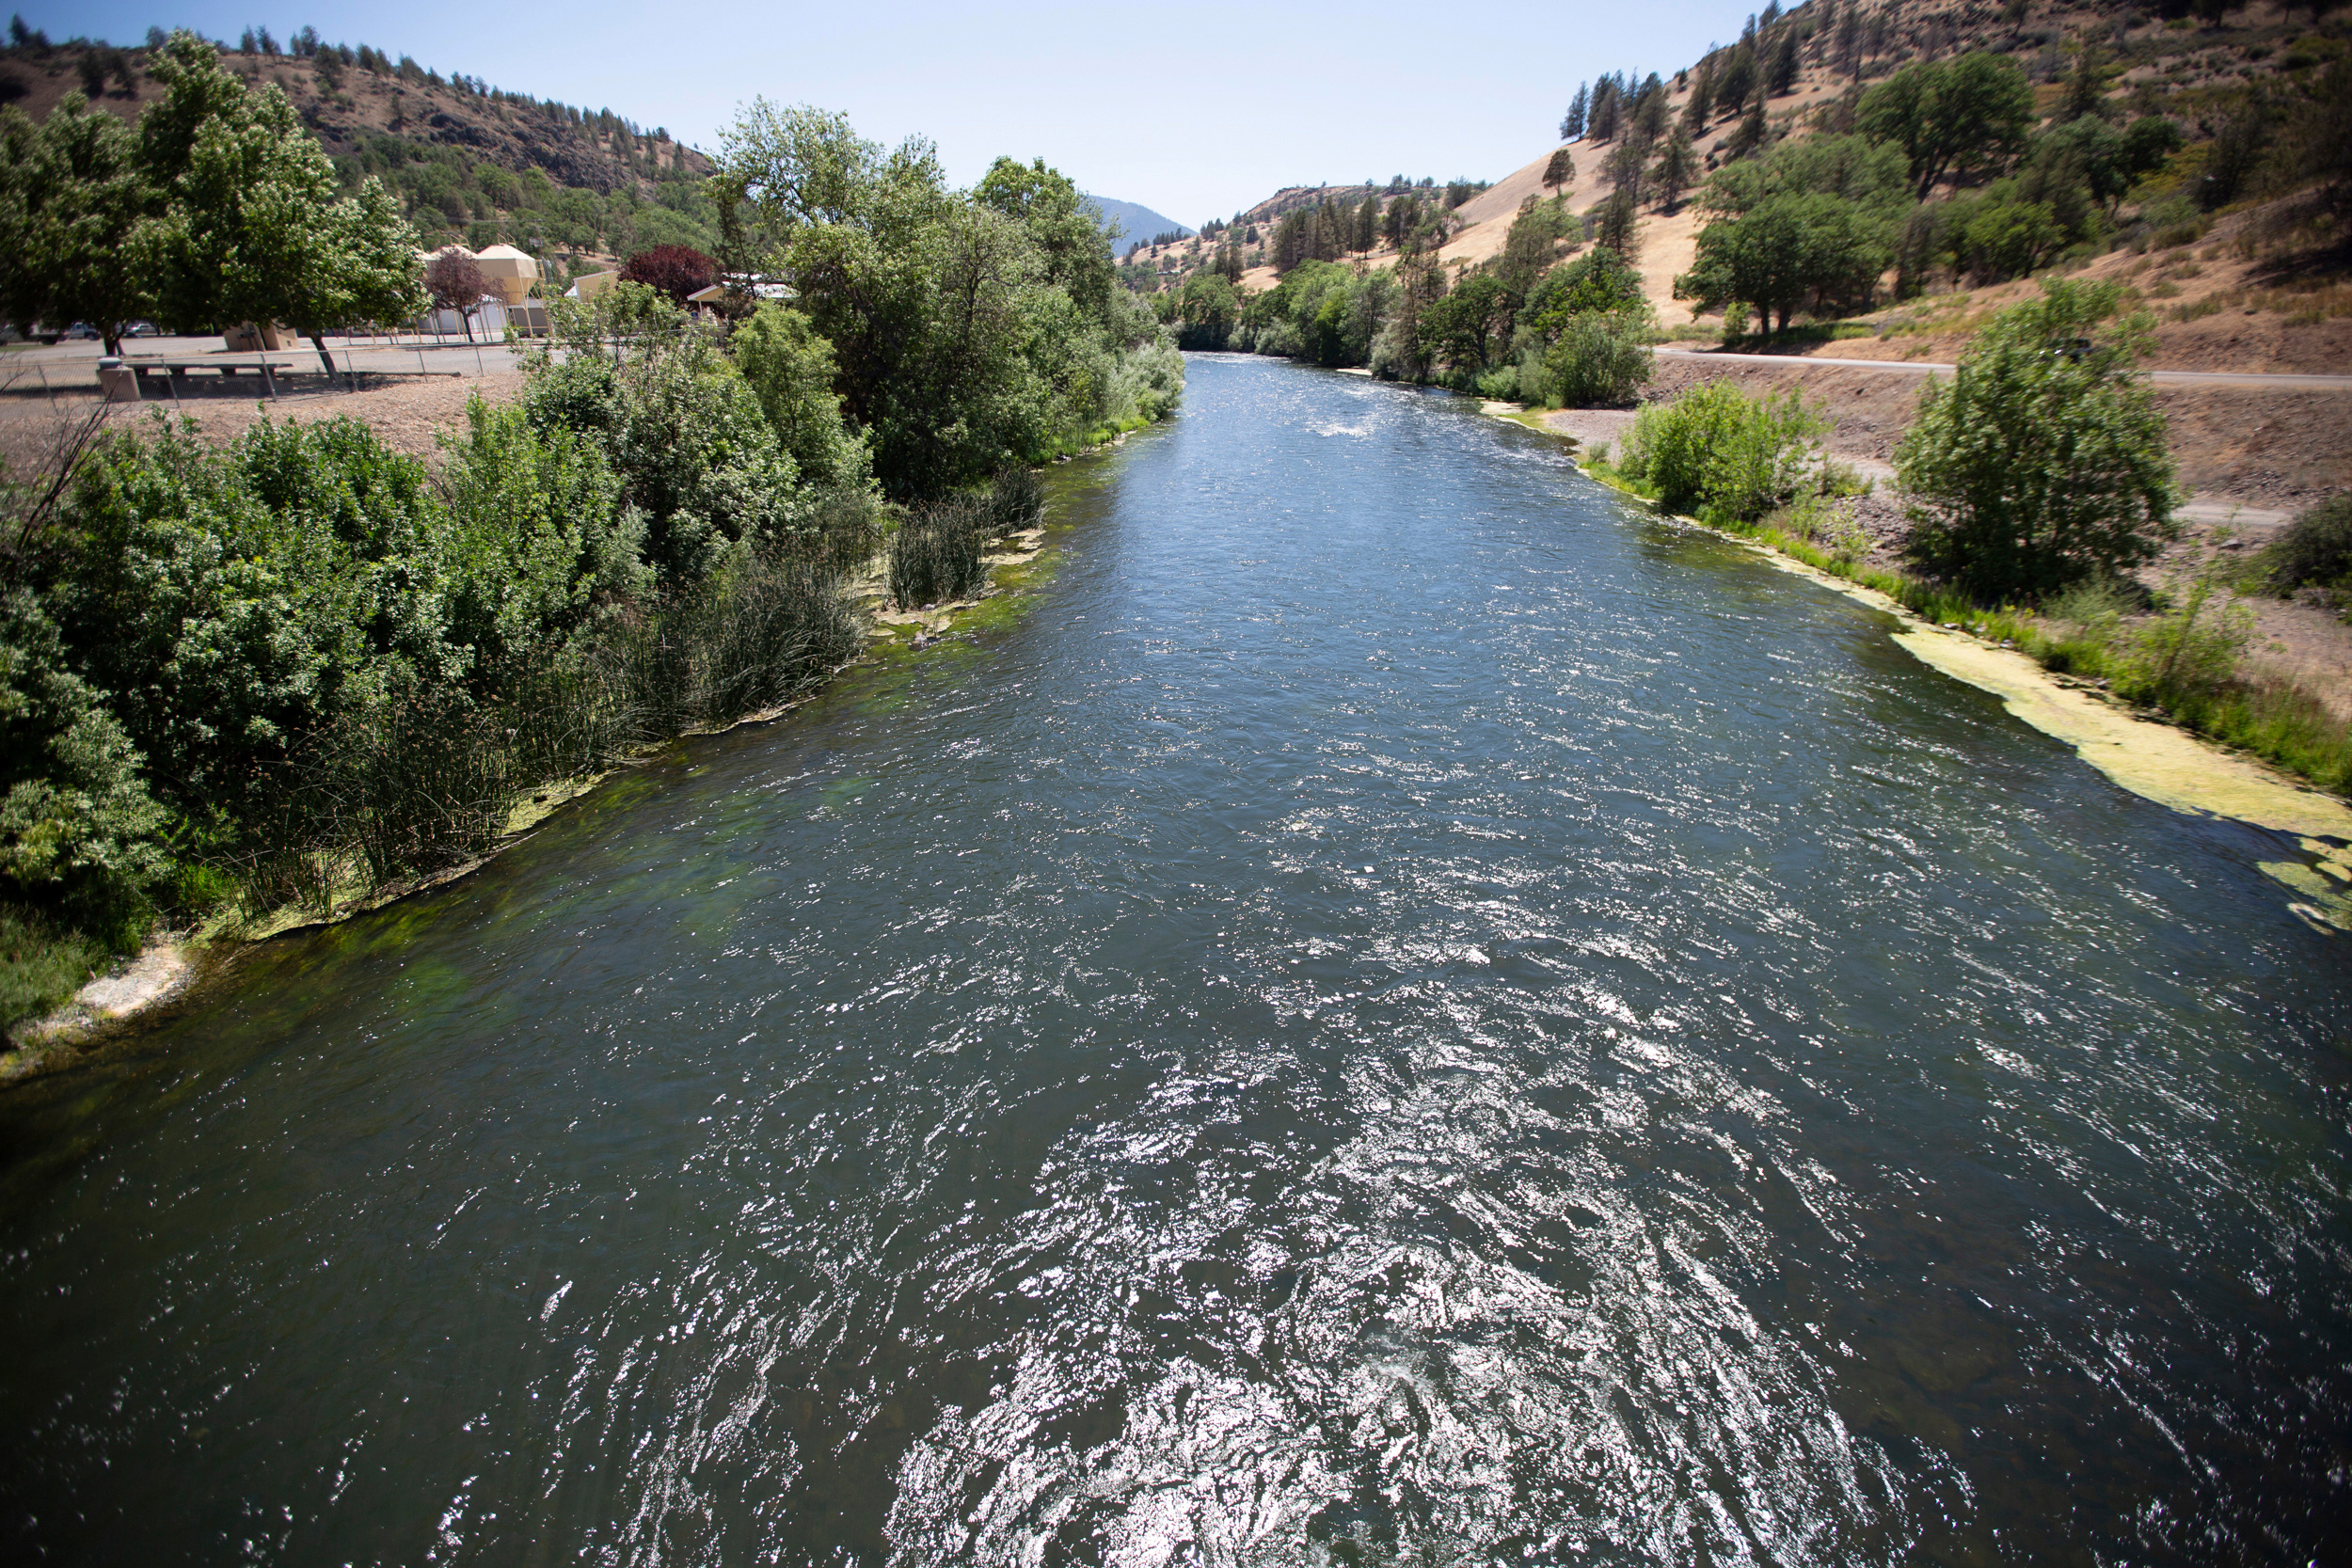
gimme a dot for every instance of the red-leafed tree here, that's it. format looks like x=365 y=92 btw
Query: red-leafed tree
x=677 y=270
x=456 y=284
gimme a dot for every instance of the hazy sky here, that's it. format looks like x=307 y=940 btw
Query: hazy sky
x=1192 y=109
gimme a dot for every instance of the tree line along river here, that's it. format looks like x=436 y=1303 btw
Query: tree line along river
x=1401 y=1009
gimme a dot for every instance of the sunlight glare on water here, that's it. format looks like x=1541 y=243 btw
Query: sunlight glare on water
x=1401 y=1010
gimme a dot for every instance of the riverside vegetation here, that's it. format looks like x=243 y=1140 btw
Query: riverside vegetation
x=2038 y=479
x=301 y=669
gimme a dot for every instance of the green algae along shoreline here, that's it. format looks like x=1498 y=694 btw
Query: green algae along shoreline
x=2155 y=759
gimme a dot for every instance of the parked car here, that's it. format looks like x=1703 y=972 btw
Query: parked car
x=140 y=329
x=81 y=330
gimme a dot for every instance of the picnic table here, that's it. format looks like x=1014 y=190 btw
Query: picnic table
x=211 y=362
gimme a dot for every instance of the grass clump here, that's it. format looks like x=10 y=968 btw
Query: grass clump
x=935 y=555
x=43 y=961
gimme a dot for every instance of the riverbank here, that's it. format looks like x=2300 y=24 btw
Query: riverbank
x=169 y=965
x=2250 y=458
x=2151 y=756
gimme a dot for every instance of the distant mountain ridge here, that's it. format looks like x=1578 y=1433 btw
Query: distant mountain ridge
x=1135 y=221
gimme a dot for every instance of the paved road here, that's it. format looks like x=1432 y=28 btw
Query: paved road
x=1921 y=367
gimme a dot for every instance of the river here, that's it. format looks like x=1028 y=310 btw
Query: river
x=1400 y=1009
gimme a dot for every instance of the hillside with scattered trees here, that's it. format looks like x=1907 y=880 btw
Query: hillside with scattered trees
x=470 y=163
x=1856 y=168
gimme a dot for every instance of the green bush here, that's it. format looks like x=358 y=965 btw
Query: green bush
x=2043 y=460
x=1598 y=360
x=1725 y=456
x=2315 y=551
x=790 y=370
x=79 y=832
x=2190 y=649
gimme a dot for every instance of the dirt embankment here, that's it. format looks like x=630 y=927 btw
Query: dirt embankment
x=408 y=415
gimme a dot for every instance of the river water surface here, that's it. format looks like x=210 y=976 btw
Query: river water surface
x=1401 y=1010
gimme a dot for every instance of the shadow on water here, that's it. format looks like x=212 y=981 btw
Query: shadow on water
x=1396 y=1009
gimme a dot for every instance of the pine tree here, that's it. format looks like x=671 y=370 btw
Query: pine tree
x=1602 y=123
x=1572 y=125
x=1736 y=82
x=1695 y=113
x=1615 y=228
x=1650 y=110
x=2084 y=87
x=1676 y=171
x=1749 y=135
x=1784 y=73
x=1560 y=171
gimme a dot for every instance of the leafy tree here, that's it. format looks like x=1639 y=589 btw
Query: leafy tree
x=1209 y=308
x=2006 y=238
x=1469 y=328
x=1599 y=282
x=1529 y=249
x=1559 y=171
x=1972 y=113
x=454 y=282
x=2043 y=461
x=254 y=226
x=1072 y=240
x=674 y=271
x=1872 y=174
x=1786 y=252
x=71 y=198
x=790 y=370
x=1599 y=359
x=966 y=330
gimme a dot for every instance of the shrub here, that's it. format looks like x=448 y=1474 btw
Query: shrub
x=790 y=370
x=1598 y=360
x=2043 y=461
x=79 y=832
x=2191 y=649
x=935 y=555
x=1728 y=457
x=2315 y=551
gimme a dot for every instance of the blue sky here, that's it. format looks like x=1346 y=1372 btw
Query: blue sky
x=1192 y=109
